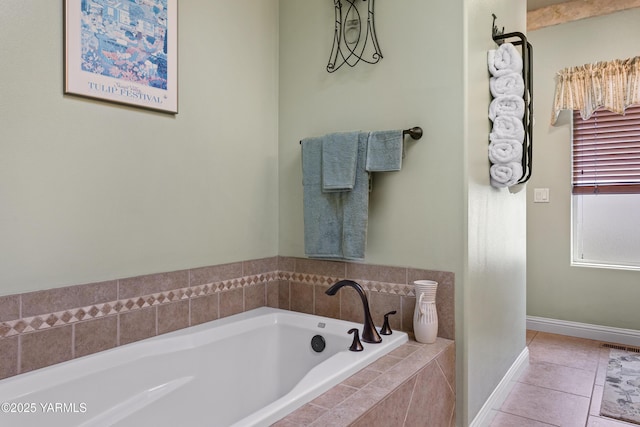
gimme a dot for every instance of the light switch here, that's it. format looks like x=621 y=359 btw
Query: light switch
x=541 y=195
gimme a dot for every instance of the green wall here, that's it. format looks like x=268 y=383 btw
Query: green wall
x=439 y=211
x=555 y=289
x=495 y=268
x=411 y=211
x=92 y=191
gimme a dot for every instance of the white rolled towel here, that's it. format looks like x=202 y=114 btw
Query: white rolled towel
x=505 y=151
x=509 y=84
x=507 y=127
x=505 y=174
x=504 y=60
x=506 y=105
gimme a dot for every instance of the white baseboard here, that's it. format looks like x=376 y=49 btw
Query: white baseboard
x=584 y=330
x=500 y=393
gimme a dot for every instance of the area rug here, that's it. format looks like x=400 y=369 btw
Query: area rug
x=621 y=396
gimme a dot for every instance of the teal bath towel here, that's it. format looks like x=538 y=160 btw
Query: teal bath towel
x=339 y=159
x=335 y=223
x=384 y=151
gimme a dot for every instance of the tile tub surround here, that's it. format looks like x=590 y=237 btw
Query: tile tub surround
x=303 y=283
x=38 y=329
x=413 y=385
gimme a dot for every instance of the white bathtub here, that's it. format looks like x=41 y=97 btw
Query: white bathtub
x=250 y=369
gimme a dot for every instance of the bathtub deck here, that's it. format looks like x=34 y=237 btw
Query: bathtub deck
x=414 y=384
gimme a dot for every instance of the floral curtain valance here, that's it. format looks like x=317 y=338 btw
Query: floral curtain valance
x=613 y=85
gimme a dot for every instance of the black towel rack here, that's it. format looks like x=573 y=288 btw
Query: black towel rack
x=414 y=132
x=527 y=74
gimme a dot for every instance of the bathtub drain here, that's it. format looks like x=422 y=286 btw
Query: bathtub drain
x=318 y=343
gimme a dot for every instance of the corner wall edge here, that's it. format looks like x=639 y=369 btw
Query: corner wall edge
x=500 y=393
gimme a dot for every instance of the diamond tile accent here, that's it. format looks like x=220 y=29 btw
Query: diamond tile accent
x=107 y=309
x=18 y=326
x=51 y=320
x=6 y=330
x=284 y=275
x=36 y=323
x=66 y=317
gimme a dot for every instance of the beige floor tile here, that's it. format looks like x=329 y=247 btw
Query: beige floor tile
x=564 y=341
x=560 y=378
x=566 y=351
x=507 y=420
x=561 y=387
x=546 y=405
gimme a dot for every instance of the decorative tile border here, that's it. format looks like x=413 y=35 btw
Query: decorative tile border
x=367 y=285
x=67 y=317
x=61 y=318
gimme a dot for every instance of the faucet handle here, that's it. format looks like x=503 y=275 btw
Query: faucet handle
x=356 y=345
x=386 y=329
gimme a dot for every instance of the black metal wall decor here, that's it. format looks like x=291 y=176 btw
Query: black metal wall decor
x=354 y=39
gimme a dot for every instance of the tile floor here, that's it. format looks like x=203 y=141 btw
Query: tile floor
x=562 y=386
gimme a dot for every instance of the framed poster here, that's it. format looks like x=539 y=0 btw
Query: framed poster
x=123 y=51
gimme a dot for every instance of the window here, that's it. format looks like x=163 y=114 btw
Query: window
x=606 y=189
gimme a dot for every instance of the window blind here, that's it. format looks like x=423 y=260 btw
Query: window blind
x=606 y=152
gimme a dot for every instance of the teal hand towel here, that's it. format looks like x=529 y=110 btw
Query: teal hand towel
x=384 y=151
x=339 y=158
x=322 y=211
x=335 y=223
x=356 y=208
